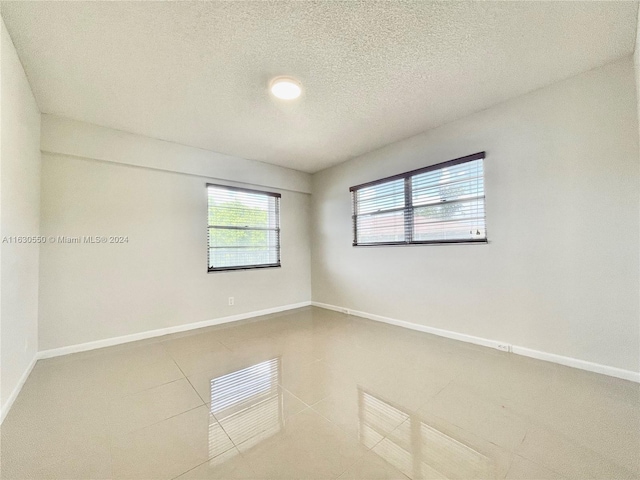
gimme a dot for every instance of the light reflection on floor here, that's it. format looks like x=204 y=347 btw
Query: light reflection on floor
x=415 y=448
x=248 y=404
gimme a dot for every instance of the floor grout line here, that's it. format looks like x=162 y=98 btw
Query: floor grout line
x=204 y=402
x=119 y=435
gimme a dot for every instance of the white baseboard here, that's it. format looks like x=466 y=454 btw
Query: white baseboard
x=16 y=391
x=109 y=342
x=414 y=326
x=577 y=363
x=527 y=352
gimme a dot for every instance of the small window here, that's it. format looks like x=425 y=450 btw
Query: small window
x=244 y=228
x=442 y=203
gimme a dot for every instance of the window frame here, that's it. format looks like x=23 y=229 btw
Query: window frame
x=408 y=207
x=277 y=230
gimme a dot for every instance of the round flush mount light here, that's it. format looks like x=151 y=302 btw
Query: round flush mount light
x=285 y=88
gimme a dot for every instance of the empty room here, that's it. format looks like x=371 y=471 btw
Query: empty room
x=319 y=240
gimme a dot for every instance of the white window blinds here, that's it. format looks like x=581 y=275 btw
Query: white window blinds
x=380 y=213
x=244 y=228
x=442 y=203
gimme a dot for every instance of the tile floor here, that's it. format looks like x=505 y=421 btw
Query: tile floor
x=315 y=394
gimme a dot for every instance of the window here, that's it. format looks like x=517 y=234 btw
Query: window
x=244 y=228
x=442 y=203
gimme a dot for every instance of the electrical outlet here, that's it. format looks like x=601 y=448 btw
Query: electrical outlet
x=505 y=347
x=231 y=301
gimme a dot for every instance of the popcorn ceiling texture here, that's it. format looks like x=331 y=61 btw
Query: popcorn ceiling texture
x=373 y=72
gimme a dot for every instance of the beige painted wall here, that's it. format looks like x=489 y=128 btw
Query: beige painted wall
x=560 y=273
x=19 y=216
x=159 y=279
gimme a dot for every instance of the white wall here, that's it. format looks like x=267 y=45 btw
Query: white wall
x=560 y=273
x=20 y=216
x=71 y=137
x=159 y=279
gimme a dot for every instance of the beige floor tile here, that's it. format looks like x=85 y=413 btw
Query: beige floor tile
x=303 y=346
x=314 y=381
x=110 y=372
x=249 y=402
x=612 y=432
x=358 y=361
x=55 y=434
x=291 y=343
x=132 y=380
x=138 y=353
x=579 y=384
x=429 y=448
x=362 y=414
x=253 y=350
x=245 y=375
x=523 y=469
x=372 y=467
x=145 y=408
x=44 y=453
x=604 y=418
x=192 y=362
x=202 y=381
x=522 y=381
x=568 y=457
x=75 y=409
x=229 y=465
x=486 y=416
x=307 y=446
x=199 y=340
x=399 y=379
x=410 y=391
x=169 y=448
x=261 y=413
x=253 y=329
x=66 y=384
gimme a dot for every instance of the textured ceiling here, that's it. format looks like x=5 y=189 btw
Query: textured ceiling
x=373 y=72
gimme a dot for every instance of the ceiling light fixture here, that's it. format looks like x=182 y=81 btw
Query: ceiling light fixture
x=285 y=88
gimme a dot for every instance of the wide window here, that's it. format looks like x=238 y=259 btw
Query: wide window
x=244 y=228
x=442 y=203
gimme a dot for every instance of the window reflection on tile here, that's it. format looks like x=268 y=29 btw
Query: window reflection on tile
x=415 y=448
x=377 y=418
x=218 y=443
x=248 y=404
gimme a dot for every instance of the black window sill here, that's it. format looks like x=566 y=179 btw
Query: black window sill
x=247 y=267
x=412 y=244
